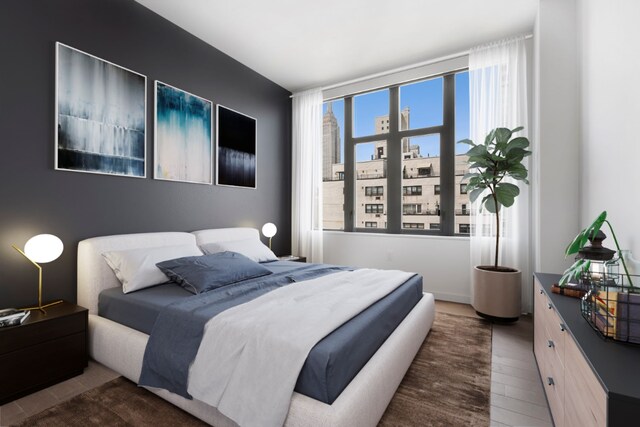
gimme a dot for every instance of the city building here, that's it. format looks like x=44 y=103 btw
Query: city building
x=420 y=183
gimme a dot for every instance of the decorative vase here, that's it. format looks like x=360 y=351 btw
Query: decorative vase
x=497 y=294
x=633 y=265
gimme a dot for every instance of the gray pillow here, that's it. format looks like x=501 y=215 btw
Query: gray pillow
x=199 y=274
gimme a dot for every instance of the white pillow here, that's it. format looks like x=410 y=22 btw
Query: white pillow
x=253 y=249
x=136 y=268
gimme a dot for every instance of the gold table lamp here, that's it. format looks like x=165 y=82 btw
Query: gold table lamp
x=42 y=248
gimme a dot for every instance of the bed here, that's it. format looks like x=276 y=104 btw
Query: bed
x=121 y=347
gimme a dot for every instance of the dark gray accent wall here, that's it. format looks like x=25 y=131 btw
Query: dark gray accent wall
x=74 y=206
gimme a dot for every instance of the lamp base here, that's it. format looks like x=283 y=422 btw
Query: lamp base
x=42 y=307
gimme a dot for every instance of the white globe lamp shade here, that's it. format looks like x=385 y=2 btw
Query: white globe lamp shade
x=269 y=230
x=43 y=248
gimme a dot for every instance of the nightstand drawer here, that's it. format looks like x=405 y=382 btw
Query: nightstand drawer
x=38 y=331
x=38 y=366
x=48 y=348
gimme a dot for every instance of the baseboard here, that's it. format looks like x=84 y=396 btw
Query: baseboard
x=443 y=296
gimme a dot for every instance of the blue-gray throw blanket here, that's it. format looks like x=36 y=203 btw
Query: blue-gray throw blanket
x=178 y=330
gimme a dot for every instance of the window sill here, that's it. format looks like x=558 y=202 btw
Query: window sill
x=397 y=236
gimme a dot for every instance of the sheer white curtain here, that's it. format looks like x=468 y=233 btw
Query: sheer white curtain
x=498 y=98
x=306 y=185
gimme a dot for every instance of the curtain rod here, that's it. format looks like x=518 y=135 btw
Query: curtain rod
x=405 y=68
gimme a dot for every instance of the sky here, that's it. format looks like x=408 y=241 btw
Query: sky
x=424 y=100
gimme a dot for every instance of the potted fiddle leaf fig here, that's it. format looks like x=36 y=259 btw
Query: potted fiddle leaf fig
x=579 y=242
x=497 y=289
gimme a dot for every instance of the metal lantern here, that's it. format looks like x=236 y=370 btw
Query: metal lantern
x=604 y=267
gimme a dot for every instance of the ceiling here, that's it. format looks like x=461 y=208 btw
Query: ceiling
x=300 y=44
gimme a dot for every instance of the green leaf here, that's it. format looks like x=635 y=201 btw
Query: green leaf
x=478 y=150
x=583 y=237
x=466 y=141
x=518 y=129
x=503 y=135
x=517 y=171
x=593 y=229
x=515 y=153
x=504 y=196
x=473 y=195
x=490 y=137
x=520 y=142
x=578 y=243
x=509 y=188
x=470 y=175
x=574 y=271
x=490 y=204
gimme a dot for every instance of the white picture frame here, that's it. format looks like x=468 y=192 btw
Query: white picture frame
x=100 y=116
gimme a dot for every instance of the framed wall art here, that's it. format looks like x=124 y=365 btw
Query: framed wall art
x=100 y=115
x=236 y=148
x=183 y=136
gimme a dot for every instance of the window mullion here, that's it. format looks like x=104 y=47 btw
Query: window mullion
x=447 y=159
x=394 y=165
x=349 y=166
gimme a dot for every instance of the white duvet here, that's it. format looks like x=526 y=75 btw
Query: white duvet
x=251 y=355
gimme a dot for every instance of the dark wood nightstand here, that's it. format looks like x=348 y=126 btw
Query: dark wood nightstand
x=44 y=350
x=293 y=258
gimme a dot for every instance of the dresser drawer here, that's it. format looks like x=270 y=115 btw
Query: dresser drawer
x=588 y=403
x=553 y=381
x=554 y=327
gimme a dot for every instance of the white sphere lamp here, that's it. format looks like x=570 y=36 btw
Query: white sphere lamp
x=41 y=249
x=269 y=230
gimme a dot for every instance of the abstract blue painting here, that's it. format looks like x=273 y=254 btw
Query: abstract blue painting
x=183 y=136
x=100 y=115
x=236 y=145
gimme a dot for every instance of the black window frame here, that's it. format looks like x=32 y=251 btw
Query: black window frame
x=374 y=190
x=369 y=208
x=412 y=190
x=394 y=171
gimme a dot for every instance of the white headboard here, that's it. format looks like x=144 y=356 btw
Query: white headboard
x=94 y=275
x=225 y=235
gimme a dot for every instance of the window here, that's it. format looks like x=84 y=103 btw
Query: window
x=413 y=225
x=463 y=188
x=412 y=190
x=411 y=209
x=370 y=224
x=401 y=158
x=374 y=208
x=463 y=228
x=374 y=191
x=424 y=171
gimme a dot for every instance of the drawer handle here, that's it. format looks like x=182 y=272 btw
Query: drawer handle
x=550 y=381
x=549 y=305
x=550 y=343
x=562 y=327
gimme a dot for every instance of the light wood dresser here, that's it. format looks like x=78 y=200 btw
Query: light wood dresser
x=588 y=381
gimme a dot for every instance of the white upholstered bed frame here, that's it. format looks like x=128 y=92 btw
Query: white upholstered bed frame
x=121 y=348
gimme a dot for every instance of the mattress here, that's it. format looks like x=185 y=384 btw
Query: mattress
x=330 y=365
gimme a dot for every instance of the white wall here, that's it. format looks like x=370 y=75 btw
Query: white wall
x=610 y=112
x=556 y=169
x=442 y=261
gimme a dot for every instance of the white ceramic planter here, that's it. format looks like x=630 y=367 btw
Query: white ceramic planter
x=497 y=294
